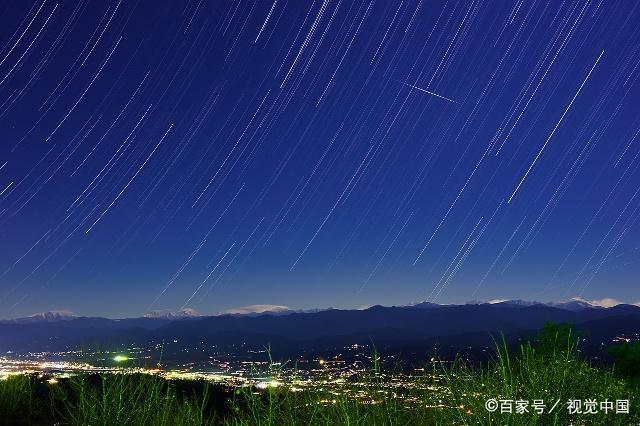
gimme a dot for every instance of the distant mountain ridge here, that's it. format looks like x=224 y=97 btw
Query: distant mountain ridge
x=418 y=325
x=181 y=313
x=575 y=304
x=569 y=305
x=51 y=316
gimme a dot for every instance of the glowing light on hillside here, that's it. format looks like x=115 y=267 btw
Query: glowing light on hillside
x=268 y=384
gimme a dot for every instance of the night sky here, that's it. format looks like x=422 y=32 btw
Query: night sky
x=211 y=154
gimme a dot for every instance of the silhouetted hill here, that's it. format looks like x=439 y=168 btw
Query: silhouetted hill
x=411 y=326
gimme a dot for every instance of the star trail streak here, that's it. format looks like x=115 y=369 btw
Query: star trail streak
x=214 y=154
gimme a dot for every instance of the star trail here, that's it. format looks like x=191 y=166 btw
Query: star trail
x=215 y=154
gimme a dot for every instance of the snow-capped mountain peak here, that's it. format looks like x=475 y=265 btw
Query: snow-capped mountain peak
x=53 y=315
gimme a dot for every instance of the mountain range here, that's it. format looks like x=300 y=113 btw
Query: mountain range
x=419 y=326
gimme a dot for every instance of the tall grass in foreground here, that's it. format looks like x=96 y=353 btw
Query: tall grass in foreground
x=449 y=394
x=118 y=399
x=555 y=377
x=101 y=400
x=551 y=371
x=19 y=399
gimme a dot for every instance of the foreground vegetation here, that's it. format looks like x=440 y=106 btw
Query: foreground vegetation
x=550 y=370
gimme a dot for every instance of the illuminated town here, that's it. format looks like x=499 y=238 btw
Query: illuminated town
x=349 y=372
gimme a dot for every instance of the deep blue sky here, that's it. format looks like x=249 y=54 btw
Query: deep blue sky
x=215 y=154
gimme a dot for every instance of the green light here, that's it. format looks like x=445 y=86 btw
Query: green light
x=120 y=358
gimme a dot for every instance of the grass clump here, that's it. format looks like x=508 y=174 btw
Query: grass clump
x=21 y=400
x=552 y=377
x=128 y=400
x=101 y=400
x=544 y=373
x=627 y=358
